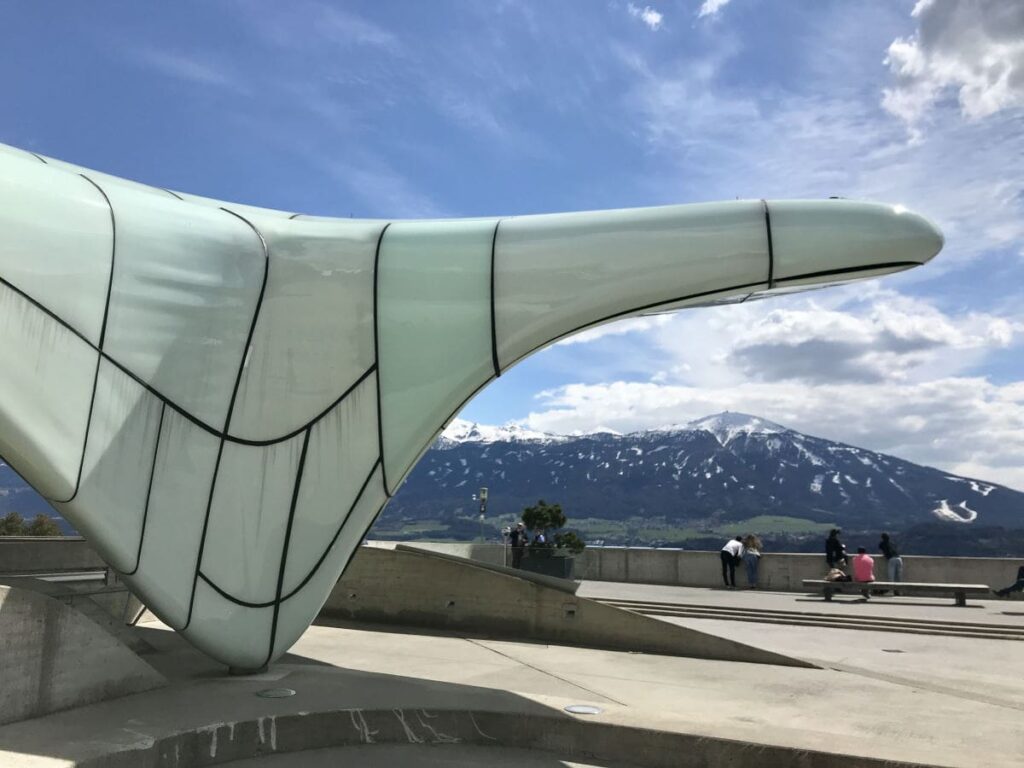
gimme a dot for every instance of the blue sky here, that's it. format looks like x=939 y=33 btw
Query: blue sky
x=470 y=108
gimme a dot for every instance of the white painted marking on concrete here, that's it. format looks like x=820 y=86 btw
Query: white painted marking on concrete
x=361 y=725
x=439 y=738
x=409 y=733
x=473 y=720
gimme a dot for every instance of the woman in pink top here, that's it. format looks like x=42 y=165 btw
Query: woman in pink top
x=864 y=569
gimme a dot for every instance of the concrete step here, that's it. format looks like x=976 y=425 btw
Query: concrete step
x=794 y=618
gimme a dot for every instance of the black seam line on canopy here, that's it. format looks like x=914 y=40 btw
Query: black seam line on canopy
x=170 y=403
x=99 y=347
x=149 y=492
x=771 y=246
x=294 y=216
x=40 y=158
x=316 y=567
x=172 y=193
x=376 y=357
x=727 y=289
x=850 y=270
x=494 y=325
x=231 y=408
x=284 y=546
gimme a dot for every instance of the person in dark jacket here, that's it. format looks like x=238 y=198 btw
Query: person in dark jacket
x=893 y=561
x=517 y=538
x=835 y=550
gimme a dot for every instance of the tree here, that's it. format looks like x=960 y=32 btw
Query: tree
x=12 y=524
x=42 y=525
x=543 y=518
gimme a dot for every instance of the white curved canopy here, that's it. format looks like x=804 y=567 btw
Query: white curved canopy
x=222 y=398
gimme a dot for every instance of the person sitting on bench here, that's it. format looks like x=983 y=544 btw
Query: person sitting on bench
x=1017 y=586
x=864 y=570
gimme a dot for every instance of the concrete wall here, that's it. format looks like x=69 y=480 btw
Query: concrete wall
x=37 y=554
x=781 y=571
x=777 y=571
x=420 y=589
x=55 y=658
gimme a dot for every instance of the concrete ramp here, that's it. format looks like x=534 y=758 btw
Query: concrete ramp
x=54 y=658
x=417 y=588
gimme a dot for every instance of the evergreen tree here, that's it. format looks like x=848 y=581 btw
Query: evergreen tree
x=12 y=524
x=42 y=525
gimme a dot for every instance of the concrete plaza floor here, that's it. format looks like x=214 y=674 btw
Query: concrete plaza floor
x=943 y=701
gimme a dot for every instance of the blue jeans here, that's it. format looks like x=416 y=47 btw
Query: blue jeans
x=895 y=565
x=751 y=562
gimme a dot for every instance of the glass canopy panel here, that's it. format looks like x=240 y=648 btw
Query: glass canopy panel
x=300 y=609
x=314 y=336
x=248 y=518
x=180 y=493
x=45 y=391
x=811 y=237
x=341 y=454
x=434 y=329
x=56 y=241
x=186 y=283
x=108 y=508
x=558 y=273
x=240 y=636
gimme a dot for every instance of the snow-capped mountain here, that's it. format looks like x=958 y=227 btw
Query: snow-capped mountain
x=728 y=466
x=722 y=468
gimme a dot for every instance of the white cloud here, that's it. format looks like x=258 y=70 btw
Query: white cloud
x=958 y=424
x=711 y=7
x=730 y=143
x=188 y=68
x=619 y=328
x=872 y=368
x=973 y=48
x=647 y=15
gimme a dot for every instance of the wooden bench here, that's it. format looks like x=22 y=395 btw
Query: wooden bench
x=959 y=591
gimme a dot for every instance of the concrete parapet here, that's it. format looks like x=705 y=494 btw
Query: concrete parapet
x=26 y=555
x=783 y=571
x=563 y=737
x=420 y=589
x=53 y=658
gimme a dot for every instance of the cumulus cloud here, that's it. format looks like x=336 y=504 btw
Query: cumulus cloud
x=647 y=15
x=967 y=425
x=971 y=48
x=892 y=341
x=874 y=369
x=711 y=7
x=728 y=143
x=632 y=325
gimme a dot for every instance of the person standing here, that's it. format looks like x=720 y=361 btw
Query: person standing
x=864 y=570
x=835 y=550
x=517 y=538
x=731 y=554
x=893 y=561
x=752 y=547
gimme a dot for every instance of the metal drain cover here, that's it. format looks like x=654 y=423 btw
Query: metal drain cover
x=276 y=693
x=584 y=709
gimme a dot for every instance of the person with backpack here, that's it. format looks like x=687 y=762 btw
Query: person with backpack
x=731 y=554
